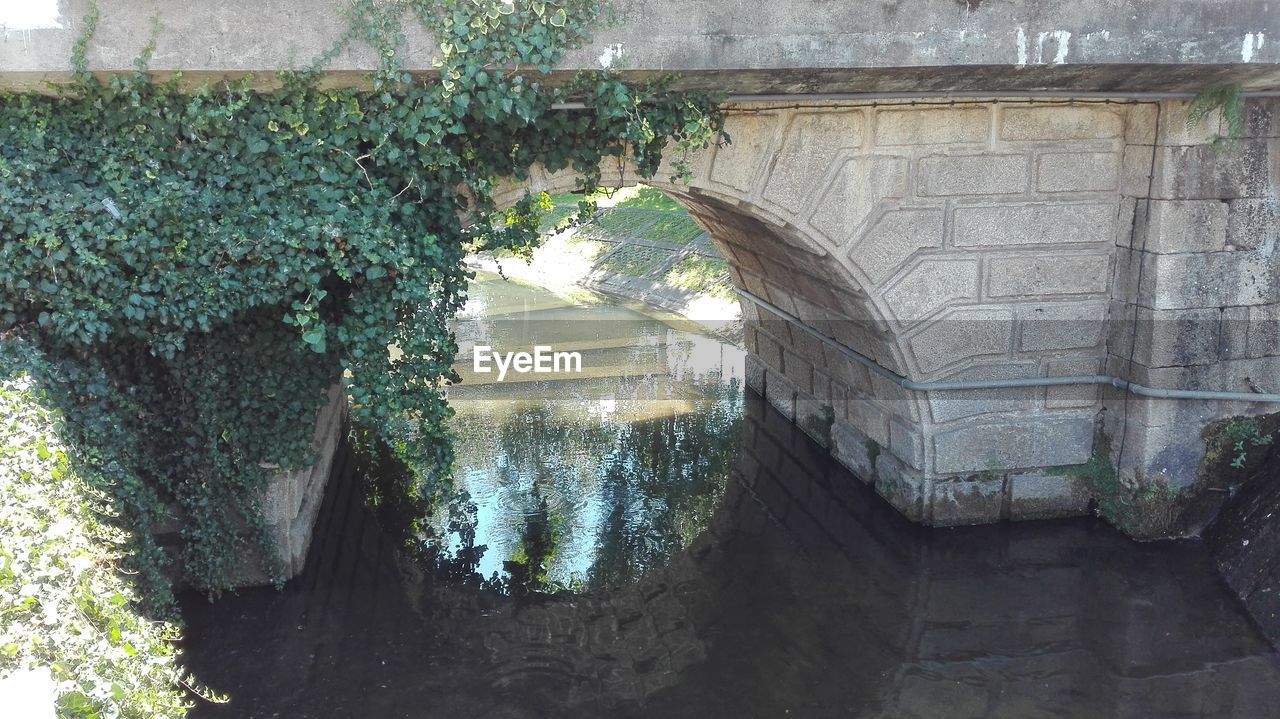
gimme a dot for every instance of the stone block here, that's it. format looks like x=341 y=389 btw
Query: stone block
x=1077 y=171
x=895 y=399
x=1136 y=170
x=1125 y=220
x=1061 y=123
x=1264 y=332
x=1059 y=223
x=1060 y=326
x=1048 y=273
x=1210 y=279
x=949 y=406
x=781 y=394
x=1175 y=130
x=1169 y=453
x=851 y=374
x=855 y=191
x=931 y=285
x=808 y=346
x=1242 y=170
x=897 y=235
x=1072 y=396
x=1170 y=226
x=962 y=335
x=814 y=417
x=955 y=502
x=933 y=126
x=1253 y=223
x=854 y=450
x=906 y=442
x=902 y=486
x=1140 y=124
x=970 y=175
x=769 y=350
x=811 y=140
x=1169 y=338
x=738 y=163
x=798 y=370
x=754 y=372
x=1262 y=118
x=870 y=418
x=1032 y=442
x=1041 y=495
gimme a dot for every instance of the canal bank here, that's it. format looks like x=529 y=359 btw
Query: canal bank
x=639 y=247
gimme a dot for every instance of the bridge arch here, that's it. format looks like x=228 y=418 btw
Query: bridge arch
x=959 y=241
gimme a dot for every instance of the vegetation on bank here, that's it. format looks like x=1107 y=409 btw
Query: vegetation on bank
x=64 y=604
x=198 y=266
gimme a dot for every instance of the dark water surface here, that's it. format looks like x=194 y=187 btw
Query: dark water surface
x=644 y=541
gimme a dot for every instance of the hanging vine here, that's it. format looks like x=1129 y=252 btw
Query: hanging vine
x=201 y=265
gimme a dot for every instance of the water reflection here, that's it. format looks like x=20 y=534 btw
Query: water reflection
x=583 y=480
x=788 y=590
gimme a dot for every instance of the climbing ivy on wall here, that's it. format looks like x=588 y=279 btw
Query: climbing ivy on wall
x=201 y=264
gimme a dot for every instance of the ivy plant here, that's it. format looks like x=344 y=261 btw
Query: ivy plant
x=202 y=264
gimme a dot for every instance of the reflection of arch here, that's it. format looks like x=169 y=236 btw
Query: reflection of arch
x=799 y=596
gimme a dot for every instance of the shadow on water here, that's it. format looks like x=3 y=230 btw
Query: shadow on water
x=714 y=562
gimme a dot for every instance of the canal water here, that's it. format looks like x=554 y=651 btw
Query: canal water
x=647 y=539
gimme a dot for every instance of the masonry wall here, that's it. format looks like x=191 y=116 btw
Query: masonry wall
x=1197 y=299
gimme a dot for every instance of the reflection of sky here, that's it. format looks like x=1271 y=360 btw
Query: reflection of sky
x=29 y=14
x=665 y=372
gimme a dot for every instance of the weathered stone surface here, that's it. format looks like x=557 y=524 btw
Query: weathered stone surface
x=854 y=450
x=1002 y=225
x=973 y=175
x=781 y=394
x=291 y=501
x=1242 y=170
x=1210 y=279
x=1167 y=338
x=1038 y=495
x=1077 y=171
x=1048 y=273
x=1060 y=123
x=961 y=335
x=1063 y=325
x=1031 y=442
x=1064 y=397
x=903 y=487
x=957 y=404
x=811 y=142
x=738 y=163
x=977 y=500
x=870 y=418
x=931 y=285
x=1253 y=223
x=898 y=234
x=906 y=442
x=933 y=126
x=859 y=185
x=719 y=45
x=1184 y=226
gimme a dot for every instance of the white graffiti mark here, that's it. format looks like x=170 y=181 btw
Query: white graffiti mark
x=1252 y=44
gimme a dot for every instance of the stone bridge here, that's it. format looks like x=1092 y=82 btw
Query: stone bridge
x=944 y=191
